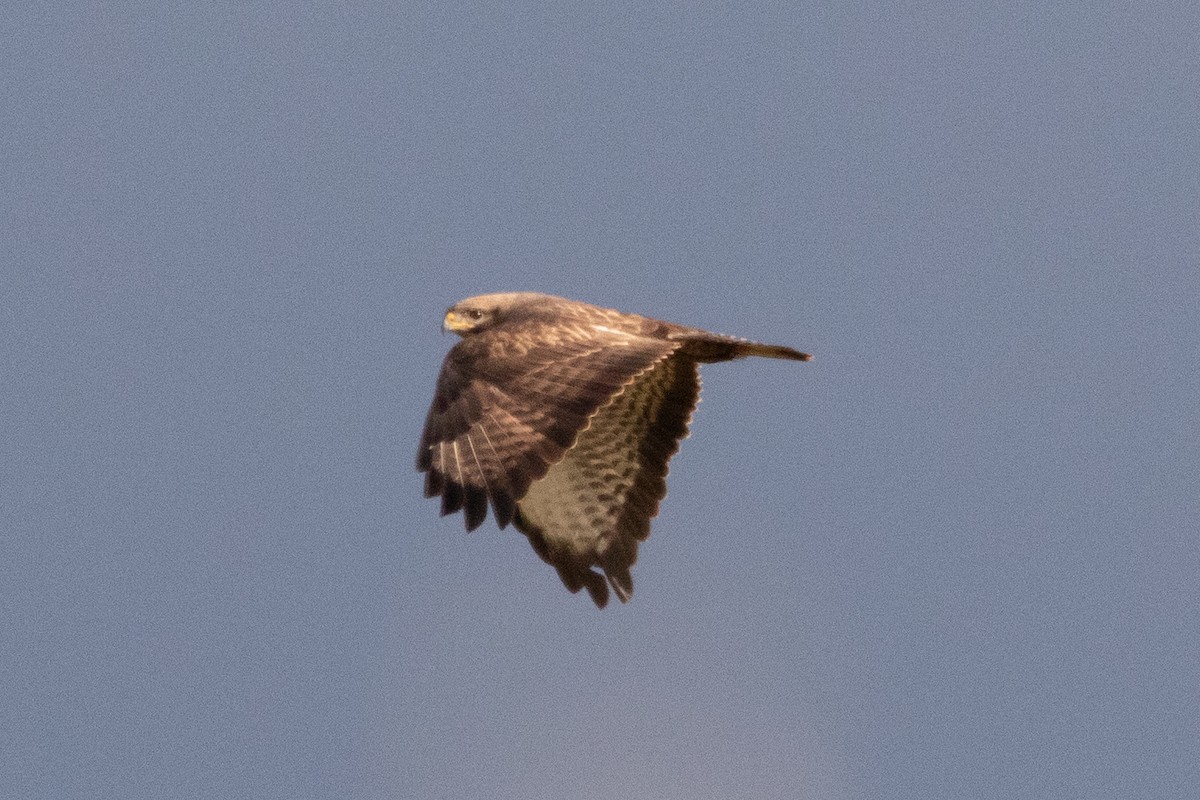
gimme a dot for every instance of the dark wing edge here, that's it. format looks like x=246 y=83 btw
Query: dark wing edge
x=664 y=434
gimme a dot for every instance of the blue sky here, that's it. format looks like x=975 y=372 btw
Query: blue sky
x=954 y=556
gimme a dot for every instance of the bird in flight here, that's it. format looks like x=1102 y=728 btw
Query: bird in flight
x=563 y=415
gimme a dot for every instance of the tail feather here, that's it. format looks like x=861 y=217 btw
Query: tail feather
x=771 y=351
x=708 y=347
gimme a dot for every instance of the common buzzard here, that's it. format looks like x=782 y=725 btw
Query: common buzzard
x=564 y=416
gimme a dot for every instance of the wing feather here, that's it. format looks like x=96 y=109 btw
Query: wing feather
x=595 y=506
x=528 y=391
x=500 y=491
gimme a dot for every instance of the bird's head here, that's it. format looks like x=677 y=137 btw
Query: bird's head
x=476 y=314
x=468 y=316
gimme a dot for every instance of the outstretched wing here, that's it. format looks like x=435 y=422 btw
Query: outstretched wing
x=511 y=401
x=595 y=505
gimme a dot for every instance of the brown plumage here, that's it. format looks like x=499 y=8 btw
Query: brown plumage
x=564 y=415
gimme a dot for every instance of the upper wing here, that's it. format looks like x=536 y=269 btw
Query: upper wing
x=511 y=401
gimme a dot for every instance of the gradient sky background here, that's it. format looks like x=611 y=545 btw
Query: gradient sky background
x=954 y=557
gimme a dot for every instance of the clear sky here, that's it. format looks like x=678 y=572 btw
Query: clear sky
x=953 y=557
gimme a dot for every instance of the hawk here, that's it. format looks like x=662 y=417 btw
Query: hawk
x=563 y=416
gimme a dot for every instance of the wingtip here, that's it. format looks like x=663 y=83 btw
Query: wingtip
x=472 y=520
x=504 y=510
x=597 y=588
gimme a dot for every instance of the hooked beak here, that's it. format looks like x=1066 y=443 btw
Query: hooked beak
x=453 y=322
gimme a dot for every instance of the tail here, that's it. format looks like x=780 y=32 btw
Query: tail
x=708 y=347
x=769 y=351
